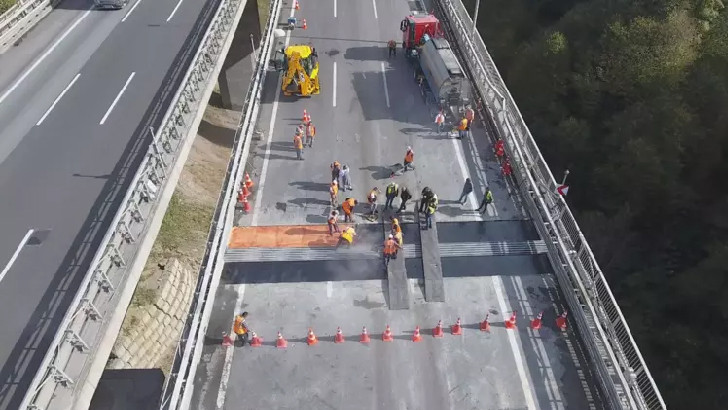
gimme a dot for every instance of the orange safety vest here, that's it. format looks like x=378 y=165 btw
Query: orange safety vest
x=409 y=157
x=463 y=124
x=348 y=205
x=389 y=247
x=439 y=119
x=297 y=142
x=311 y=130
x=239 y=326
x=334 y=190
x=395 y=226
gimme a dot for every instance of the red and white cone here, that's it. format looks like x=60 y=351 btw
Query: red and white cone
x=561 y=321
x=339 y=338
x=246 y=205
x=255 y=341
x=511 y=322
x=536 y=323
x=437 y=331
x=417 y=337
x=304 y=24
x=248 y=182
x=456 y=329
x=387 y=335
x=485 y=325
x=281 y=343
x=364 y=338
x=226 y=340
x=311 y=339
x=296 y=5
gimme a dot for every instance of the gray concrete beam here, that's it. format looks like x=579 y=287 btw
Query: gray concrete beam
x=238 y=67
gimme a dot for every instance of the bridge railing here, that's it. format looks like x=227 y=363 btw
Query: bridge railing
x=63 y=375
x=619 y=366
x=179 y=387
x=20 y=18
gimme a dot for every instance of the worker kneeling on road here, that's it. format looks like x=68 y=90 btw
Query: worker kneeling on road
x=390 y=249
x=392 y=48
x=241 y=329
x=346 y=237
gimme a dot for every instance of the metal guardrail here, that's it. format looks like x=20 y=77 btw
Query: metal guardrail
x=20 y=18
x=67 y=361
x=177 y=392
x=620 y=368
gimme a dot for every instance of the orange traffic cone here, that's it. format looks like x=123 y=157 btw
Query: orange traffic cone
x=485 y=325
x=241 y=196
x=255 y=341
x=387 y=335
x=246 y=205
x=561 y=321
x=311 y=339
x=304 y=24
x=226 y=340
x=296 y=3
x=511 y=322
x=339 y=336
x=364 y=338
x=417 y=337
x=306 y=117
x=281 y=343
x=437 y=331
x=536 y=323
x=248 y=182
x=245 y=191
x=456 y=329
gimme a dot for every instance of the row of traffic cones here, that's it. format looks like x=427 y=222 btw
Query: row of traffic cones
x=245 y=192
x=438 y=332
x=297 y=6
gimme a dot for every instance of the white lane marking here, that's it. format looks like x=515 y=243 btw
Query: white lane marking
x=386 y=90
x=229 y=351
x=130 y=10
x=68 y=87
x=463 y=170
x=116 y=100
x=329 y=289
x=334 y=87
x=10 y=263
x=266 y=158
x=179 y=3
x=43 y=56
x=525 y=385
x=374 y=3
x=335 y=1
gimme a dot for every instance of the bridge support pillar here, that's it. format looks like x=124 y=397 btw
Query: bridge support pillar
x=237 y=69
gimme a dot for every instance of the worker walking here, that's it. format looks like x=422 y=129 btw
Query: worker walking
x=345 y=178
x=426 y=196
x=398 y=238
x=487 y=200
x=470 y=116
x=431 y=209
x=334 y=192
x=372 y=200
x=440 y=121
x=348 y=208
x=392 y=48
x=298 y=144
x=310 y=133
x=404 y=196
x=391 y=193
x=390 y=249
x=346 y=237
x=463 y=128
x=467 y=189
x=335 y=170
x=395 y=224
x=241 y=329
x=409 y=158
x=333 y=222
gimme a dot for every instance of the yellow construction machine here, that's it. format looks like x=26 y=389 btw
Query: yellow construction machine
x=301 y=67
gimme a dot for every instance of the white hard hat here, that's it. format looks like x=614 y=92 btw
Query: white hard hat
x=335 y=182
x=409 y=148
x=391 y=236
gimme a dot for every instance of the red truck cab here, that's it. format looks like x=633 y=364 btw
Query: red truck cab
x=415 y=26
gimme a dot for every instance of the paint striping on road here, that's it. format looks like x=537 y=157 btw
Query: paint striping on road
x=384 y=79
x=525 y=385
x=463 y=170
x=10 y=263
x=229 y=351
x=130 y=10
x=329 y=289
x=118 y=96
x=68 y=87
x=179 y=3
x=335 y=1
x=334 y=87
x=374 y=3
x=266 y=158
x=43 y=56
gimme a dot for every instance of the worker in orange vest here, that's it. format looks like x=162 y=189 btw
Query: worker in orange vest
x=334 y=192
x=409 y=158
x=463 y=128
x=334 y=222
x=310 y=133
x=470 y=116
x=372 y=199
x=335 y=170
x=298 y=144
x=440 y=121
x=348 y=207
x=241 y=329
x=390 y=249
x=395 y=224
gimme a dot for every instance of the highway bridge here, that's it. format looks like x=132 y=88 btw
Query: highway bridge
x=84 y=173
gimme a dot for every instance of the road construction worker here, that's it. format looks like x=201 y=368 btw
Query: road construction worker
x=463 y=128
x=298 y=144
x=469 y=115
x=241 y=329
x=334 y=192
x=500 y=149
x=391 y=193
x=335 y=170
x=430 y=211
x=440 y=120
x=310 y=133
x=404 y=196
x=300 y=130
x=333 y=222
x=487 y=200
x=392 y=47
x=467 y=189
x=372 y=200
x=346 y=237
x=348 y=207
x=395 y=224
x=390 y=249
x=409 y=158
x=426 y=195
x=345 y=178
x=398 y=238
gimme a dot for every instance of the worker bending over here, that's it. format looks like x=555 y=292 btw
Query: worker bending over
x=426 y=196
x=392 y=48
x=346 y=237
x=409 y=158
x=348 y=208
x=241 y=329
x=390 y=249
x=404 y=196
x=333 y=222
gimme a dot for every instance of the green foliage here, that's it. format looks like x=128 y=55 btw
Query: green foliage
x=631 y=96
x=6 y=4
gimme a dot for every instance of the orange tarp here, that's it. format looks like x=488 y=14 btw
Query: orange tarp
x=285 y=236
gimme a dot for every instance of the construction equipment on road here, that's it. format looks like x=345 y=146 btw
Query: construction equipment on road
x=301 y=67
x=434 y=61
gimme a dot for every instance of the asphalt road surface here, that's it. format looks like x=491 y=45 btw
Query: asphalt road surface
x=368 y=112
x=77 y=96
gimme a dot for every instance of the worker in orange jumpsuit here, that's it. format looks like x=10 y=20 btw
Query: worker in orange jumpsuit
x=334 y=192
x=310 y=133
x=333 y=222
x=409 y=158
x=298 y=144
x=241 y=329
x=390 y=249
x=348 y=207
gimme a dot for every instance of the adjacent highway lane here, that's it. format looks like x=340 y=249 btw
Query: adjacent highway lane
x=77 y=97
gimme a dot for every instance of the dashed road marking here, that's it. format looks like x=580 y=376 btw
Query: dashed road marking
x=386 y=90
x=10 y=263
x=68 y=87
x=118 y=97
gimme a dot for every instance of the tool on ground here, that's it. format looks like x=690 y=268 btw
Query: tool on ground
x=437 y=331
x=387 y=335
x=281 y=343
x=417 y=337
x=456 y=329
x=364 y=338
x=339 y=338
x=536 y=323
